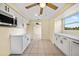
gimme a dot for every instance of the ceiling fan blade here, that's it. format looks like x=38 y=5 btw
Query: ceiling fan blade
x=32 y=5
x=52 y=6
x=41 y=11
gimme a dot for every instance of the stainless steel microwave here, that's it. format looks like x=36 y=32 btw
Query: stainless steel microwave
x=7 y=20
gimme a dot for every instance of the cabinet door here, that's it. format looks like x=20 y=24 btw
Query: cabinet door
x=24 y=42
x=19 y=21
x=3 y=7
x=59 y=42
x=6 y=8
x=55 y=40
x=16 y=44
x=11 y=11
x=75 y=48
x=66 y=45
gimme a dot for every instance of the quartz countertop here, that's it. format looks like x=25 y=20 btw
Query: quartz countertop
x=17 y=32
x=75 y=37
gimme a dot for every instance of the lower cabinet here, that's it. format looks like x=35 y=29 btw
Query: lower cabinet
x=67 y=45
x=26 y=42
x=16 y=44
x=59 y=42
x=63 y=44
x=74 y=48
x=19 y=44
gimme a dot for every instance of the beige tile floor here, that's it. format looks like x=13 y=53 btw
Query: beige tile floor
x=42 y=48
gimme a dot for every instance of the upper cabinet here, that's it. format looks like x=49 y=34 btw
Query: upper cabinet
x=5 y=7
x=10 y=10
x=2 y=6
x=74 y=48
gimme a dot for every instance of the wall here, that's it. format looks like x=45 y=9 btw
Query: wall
x=30 y=28
x=58 y=26
x=47 y=28
x=51 y=29
x=68 y=12
x=4 y=41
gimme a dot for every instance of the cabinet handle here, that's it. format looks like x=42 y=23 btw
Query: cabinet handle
x=27 y=39
x=61 y=41
x=56 y=38
x=75 y=42
x=6 y=8
x=65 y=38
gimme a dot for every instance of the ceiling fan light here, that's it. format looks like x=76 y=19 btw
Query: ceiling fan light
x=42 y=5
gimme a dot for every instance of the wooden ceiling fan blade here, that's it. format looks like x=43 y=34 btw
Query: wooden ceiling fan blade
x=52 y=6
x=41 y=11
x=32 y=5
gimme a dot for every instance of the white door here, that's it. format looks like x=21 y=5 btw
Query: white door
x=37 y=31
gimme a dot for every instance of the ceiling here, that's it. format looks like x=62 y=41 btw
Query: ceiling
x=32 y=13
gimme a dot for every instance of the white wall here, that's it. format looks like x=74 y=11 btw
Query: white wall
x=4 y=41
x=58 y=25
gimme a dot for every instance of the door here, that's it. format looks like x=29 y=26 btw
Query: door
x=37 y=31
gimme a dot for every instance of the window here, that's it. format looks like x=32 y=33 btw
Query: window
x=72 y=22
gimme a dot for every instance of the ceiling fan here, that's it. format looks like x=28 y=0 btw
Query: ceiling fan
x=42 y=5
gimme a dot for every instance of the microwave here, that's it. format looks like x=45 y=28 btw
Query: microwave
x=7 y=19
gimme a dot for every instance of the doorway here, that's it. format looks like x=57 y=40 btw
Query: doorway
x=37 y=31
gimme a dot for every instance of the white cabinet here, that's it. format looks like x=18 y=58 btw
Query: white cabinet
x=19 y=43
x=74 y=48
x=2 y=7
x=26 y=42
x=59 y=42
x=16 y=44
x=5 y=7
x=19 y=21
x=63 y=43
x=66 y=45
x=69 y=45
x=56 y=40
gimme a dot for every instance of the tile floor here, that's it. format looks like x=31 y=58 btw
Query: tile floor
x=42 y=48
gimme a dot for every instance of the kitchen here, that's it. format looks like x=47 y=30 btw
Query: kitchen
x=17 y=34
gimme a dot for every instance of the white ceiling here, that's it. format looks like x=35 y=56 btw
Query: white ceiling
x=32 y=13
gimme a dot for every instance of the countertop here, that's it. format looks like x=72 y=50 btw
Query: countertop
x=75 y=37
